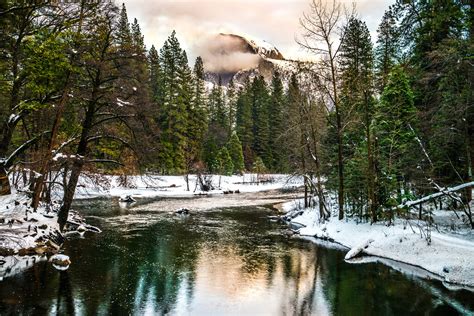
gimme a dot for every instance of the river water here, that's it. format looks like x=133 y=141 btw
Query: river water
x=223 y=261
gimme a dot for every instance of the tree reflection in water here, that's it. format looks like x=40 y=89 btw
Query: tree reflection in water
x=224 y=262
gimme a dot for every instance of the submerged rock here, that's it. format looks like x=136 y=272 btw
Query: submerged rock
x=127 y=199
x=182 y=211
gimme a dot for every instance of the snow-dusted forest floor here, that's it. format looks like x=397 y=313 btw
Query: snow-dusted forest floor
x=175 y=186
x=449 y=254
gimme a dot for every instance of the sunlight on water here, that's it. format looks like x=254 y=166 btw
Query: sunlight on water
x=229 y=261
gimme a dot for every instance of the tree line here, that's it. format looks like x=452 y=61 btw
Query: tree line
x=80 y=92
x=400 y=115
x=376 y=124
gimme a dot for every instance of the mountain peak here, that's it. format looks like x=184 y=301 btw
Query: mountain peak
x=256 y=46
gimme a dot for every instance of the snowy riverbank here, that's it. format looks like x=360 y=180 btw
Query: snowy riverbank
x=449 y=255
x=175 y=186
x=28 y=236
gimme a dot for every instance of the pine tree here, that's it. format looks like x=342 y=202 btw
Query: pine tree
x=231 y=105
x=235 y=151
x=388 y=47
x=394 y=127
x=259 y=166
x=293 y=136
x=124 y=34
x=174 y=102
x=260 y=116
x=218 y=118
x=198 y=115
x=154 y=69
x=276 y=119
x=137 y=39
x=357 y=106
x=226 y=166
x=244 y=123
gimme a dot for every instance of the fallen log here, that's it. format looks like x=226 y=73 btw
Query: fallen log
x=76 y=225
x=436 y=195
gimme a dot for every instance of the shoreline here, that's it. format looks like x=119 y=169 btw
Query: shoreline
x=26 y=236
x=448 y=258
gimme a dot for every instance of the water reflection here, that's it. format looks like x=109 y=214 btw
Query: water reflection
x=223 y=262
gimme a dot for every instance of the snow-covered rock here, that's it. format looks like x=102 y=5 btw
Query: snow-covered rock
x=60 y=260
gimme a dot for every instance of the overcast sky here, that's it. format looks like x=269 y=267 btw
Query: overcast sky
x=275 y=21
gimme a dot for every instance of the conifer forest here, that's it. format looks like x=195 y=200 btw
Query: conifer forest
x=368 y=141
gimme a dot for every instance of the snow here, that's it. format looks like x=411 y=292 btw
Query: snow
x=450 y=256
x=15 y=208
x=13 y=118
x=175 y=186
x=358 y=250
x=26 y=236
x=443 y=191
x=122 y=103
x=59 y=156
x=261 y=46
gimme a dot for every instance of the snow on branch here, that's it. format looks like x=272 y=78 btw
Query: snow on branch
x=443 y=191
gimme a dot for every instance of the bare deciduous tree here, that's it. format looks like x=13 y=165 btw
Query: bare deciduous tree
x=321 y=35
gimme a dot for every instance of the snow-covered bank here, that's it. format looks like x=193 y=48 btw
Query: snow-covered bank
x=28 y=236
x=449 y=255
x=170 y=186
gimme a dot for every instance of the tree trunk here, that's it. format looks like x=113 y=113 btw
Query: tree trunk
x=46 y=161
x=340 y=161
x=340 y=167
x=4 y=182
x=78 y=163
x=305 y=192
x=69 y=191
x=370 y=164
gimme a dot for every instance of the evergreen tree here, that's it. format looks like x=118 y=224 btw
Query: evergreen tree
x=124 y=34
x=357 y=107
x=154 y=69
x=197 y=120
x=231 y=105
x=293 y=135
x=260 y=117
x=174 y=103
x=137 y=39
x=259 y=166
x=244 y=123
x=218 y=130
x=199 y=115
x=394 y=127
x=388 y=47
x=276 y=121
x=226 y=166
x=235 y=151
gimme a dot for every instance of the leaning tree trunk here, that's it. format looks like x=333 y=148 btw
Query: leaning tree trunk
x=45 y=163
x=77 y=165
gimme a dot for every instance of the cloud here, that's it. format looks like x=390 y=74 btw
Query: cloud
x=225 y=54
x=275 y=21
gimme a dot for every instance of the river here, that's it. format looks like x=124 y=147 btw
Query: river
x=222 y=261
